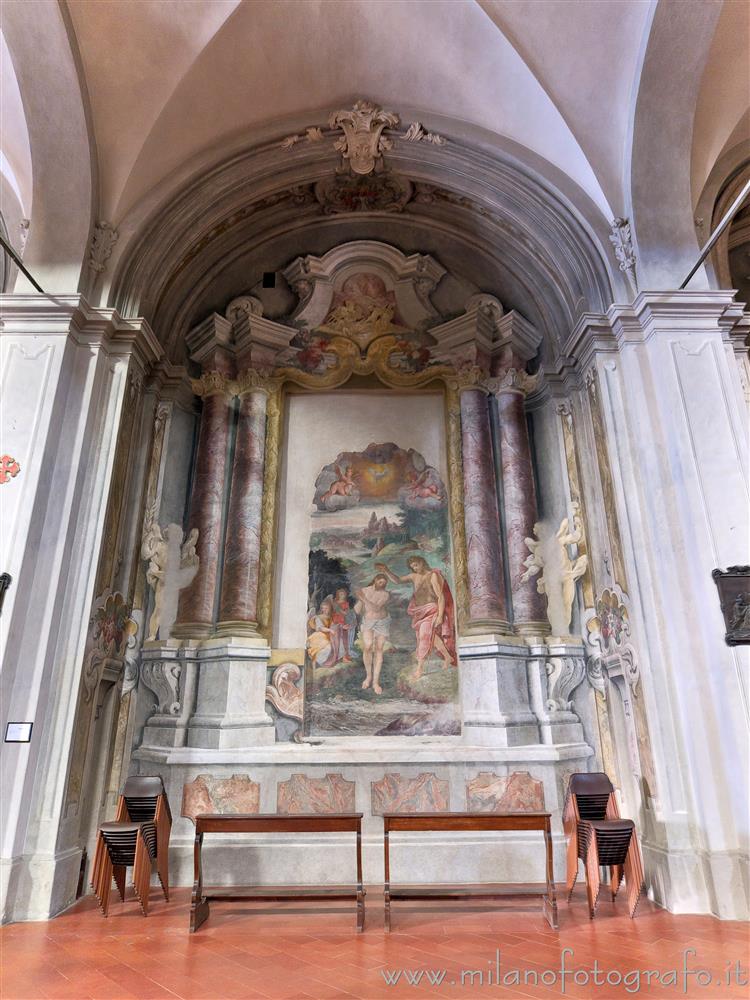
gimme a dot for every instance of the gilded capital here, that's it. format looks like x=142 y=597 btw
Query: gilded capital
x=212 y=383
x=470 y=377
x=512 y=380
x=251 y=380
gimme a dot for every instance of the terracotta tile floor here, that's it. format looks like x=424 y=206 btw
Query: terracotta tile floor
x=310 y=952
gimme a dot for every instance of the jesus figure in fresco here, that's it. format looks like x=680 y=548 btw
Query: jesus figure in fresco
x=431 y=610
x=373 y=601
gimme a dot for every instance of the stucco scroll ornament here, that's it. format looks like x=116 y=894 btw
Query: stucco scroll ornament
x=622 y=240
x=102 y=243
x=111 y=634
x=607 y=635
x=172 y=565
x=558 y=571
x=416 y=132
x=164 y=680
x=564 y=674
x=283 y=692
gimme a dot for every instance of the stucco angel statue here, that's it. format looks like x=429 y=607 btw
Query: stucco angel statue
x=572 y=569
x=548 y=556
x=172 y=565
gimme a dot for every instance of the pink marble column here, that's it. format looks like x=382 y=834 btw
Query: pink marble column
x=195 y=615
x=487 y=608
x=520 y=502
x=239 y=585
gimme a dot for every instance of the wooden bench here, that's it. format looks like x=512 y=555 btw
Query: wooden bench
x=273 y=823
x=466 y=821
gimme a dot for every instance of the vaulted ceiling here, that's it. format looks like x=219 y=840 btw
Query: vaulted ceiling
x=168 y=88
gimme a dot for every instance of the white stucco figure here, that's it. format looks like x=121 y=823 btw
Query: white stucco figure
x=549 y=557
x=172 y=565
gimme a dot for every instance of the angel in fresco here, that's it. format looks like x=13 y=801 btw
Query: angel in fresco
x=422 y=486
x=343 y=486
x=431 y=610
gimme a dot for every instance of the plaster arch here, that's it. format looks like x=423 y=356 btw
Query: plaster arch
x=536 y=240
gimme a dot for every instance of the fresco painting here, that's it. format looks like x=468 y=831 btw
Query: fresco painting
x=381 y=630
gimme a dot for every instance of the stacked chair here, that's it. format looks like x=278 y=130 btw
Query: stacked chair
x=601 y=839
x=138 y=836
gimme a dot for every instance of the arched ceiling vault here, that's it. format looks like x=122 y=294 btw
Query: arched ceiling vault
x=622 y=108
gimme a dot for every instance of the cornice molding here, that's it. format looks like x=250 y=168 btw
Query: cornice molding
x=72 y=316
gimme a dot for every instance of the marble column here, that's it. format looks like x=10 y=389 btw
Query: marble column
x=487 y=607
x=239 y=585
x=520 y=501
x=195 y=616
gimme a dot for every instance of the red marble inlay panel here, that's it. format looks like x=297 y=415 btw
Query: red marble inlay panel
x=301 y=794
x=516 y=792
x=397 y=793
x=207 y=794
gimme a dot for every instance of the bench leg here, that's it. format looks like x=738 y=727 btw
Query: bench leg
x=198 y=914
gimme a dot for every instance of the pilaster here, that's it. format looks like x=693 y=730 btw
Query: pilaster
x=66 y=368
x=673 y=426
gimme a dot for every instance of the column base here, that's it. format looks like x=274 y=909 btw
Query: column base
x=487 y=626
x=192 y=630
x=230 y=628
x=532 y=629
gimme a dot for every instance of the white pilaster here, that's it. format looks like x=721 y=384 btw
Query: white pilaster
x=65 y=368
x=677 y=440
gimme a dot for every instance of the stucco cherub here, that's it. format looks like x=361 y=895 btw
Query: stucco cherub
x=534 y=562
x=172 y=565
x=548 y=556
x=572 y=569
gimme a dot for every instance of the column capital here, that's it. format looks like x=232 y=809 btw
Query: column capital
x=512 y=380
x=468 y=377
x=254 y=380
x=213 y=383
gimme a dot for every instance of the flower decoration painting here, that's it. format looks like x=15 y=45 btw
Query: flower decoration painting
x=113 y=626
x=611 y=621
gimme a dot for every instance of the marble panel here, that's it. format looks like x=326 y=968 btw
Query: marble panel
x=302 y=794
x=518 y=791
x=208 y=794
x=398 y=793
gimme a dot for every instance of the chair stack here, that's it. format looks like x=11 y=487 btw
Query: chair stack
x=601 y=839
x=138 y=835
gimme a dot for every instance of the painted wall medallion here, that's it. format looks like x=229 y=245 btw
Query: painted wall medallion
x=9 y=468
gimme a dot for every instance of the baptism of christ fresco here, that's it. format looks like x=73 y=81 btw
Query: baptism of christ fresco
x=381 y=626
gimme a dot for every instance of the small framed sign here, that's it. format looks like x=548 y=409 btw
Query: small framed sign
x=18 y=732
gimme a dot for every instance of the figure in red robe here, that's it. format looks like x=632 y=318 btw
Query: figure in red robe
x=431 y=610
